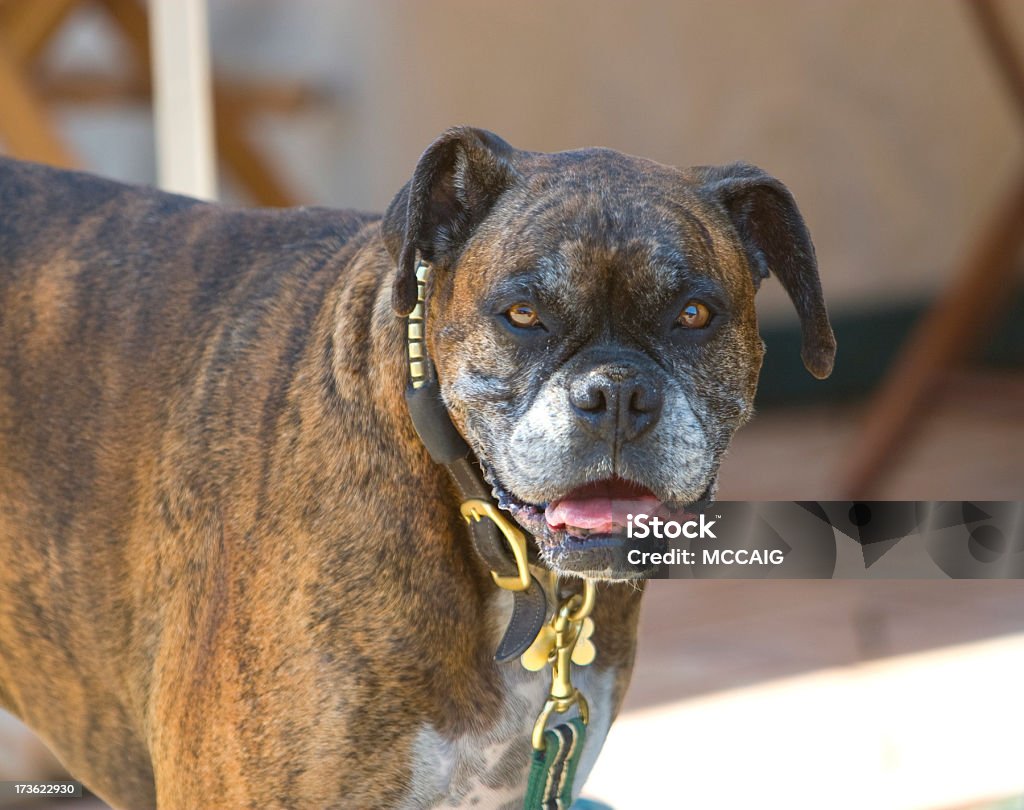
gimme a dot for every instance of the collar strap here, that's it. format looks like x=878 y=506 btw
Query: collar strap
x=499 y=542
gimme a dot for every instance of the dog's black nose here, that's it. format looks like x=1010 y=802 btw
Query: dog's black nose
x=616 y=405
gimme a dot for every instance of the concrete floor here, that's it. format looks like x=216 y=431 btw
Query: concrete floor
x=937 y=729
x=700 y=638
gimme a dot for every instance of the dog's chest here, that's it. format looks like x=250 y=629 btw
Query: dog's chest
x=489 y=769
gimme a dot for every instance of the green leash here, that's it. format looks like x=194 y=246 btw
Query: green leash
x=553 y=769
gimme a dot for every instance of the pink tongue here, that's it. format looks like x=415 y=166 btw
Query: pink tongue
x=598 y=515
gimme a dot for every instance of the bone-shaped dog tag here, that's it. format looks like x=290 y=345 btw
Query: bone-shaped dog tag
x=584 y=652
x=536 y=656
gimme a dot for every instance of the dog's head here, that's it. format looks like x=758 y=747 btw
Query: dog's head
x=591 y=317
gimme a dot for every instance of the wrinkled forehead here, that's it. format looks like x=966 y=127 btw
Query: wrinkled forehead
x=610 y=225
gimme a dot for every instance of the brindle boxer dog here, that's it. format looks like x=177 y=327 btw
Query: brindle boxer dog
x=231 y=574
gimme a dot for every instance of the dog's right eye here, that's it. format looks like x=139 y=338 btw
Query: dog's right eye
x=523 y=315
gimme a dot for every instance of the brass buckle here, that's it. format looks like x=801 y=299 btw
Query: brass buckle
x=476 y=509
x=567 y=628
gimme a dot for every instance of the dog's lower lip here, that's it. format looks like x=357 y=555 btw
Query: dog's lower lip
x=595 y=537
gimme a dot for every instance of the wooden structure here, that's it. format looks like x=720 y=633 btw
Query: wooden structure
x=964 y=314
x=26 y=92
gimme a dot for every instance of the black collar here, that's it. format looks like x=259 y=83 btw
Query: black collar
x=500 y=543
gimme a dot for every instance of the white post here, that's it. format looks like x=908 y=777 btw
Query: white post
x=182 y=98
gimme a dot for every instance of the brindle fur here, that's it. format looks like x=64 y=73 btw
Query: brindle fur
x=231 y=576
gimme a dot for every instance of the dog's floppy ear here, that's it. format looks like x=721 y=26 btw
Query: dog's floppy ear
x=455 y=184
x=776 y=240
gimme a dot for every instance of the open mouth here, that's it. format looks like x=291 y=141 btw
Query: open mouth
x=600 y=507
x=585 y=531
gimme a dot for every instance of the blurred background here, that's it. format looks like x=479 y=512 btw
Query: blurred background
x=898 y=127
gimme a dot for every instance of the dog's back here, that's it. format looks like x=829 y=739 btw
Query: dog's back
x=117 y=302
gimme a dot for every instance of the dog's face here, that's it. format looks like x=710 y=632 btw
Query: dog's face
x=591 y=318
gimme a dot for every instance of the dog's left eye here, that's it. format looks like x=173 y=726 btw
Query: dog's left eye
x=522 y=315
x=695 y=315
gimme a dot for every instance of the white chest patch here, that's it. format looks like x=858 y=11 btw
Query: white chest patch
x=489 y=770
